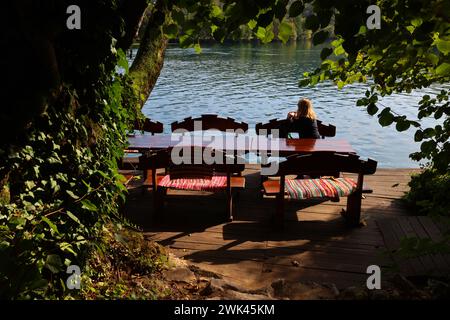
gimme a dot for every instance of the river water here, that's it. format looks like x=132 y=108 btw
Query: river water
x=256 y=83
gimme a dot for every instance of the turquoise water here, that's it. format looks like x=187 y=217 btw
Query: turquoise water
x=255 y=83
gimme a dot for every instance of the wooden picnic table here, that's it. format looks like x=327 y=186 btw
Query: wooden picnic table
x=286 y=146
x=239 y=143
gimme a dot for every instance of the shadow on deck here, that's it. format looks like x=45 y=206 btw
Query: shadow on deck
x=316 y=245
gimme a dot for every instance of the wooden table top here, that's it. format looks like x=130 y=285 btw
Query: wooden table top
x=291 y=146
x=246 y=143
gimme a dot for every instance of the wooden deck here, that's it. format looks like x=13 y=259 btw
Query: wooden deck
x=316 y=245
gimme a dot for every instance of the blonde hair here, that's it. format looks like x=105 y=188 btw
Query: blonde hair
x=305 y=109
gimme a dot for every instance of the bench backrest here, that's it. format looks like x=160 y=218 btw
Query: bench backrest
x=318 y=162
x=325 y=130
x=209 y=121
x=148 y=125
x=198 y=167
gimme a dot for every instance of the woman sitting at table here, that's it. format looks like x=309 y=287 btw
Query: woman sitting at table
x=304 y=120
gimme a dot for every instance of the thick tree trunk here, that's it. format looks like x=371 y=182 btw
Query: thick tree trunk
x=149 y=60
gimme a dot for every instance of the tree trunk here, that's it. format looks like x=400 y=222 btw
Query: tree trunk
x=149 y=60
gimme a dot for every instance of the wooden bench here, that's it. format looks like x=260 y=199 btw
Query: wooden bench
x=195 y=176
x=147 y=125
x=325 y=130
x=265 y=129
x=212 y=122
x=324 y=187
x=208 y=122
x=129 y=165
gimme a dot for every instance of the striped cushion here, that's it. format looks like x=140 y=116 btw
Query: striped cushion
x=319 y=188
x=216 y=183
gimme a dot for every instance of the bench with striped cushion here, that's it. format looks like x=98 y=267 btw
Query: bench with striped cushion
x=319 y=188
x=212 y=184
x=195 y=175
x=313 y=164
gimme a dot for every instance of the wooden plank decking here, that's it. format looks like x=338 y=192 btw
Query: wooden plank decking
x=316 y=245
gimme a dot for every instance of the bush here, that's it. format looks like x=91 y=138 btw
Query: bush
x=125 y=266
x=61 y=190
x=429 y=193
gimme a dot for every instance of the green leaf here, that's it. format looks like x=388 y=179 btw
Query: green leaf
x=429 y=133
x=314 y=80
x=402 y=125
x=252 y=24
x=216 y=11
x=50 y=224
x=372 y=109
x=73 y=217
x=296 y=9
x=73 y=195
x=443 y=45
x=261 y=33
x=325 y=53
x=385 y=118
x=265 y=19
x=362 y=30
x=88 y=205
x=265 y=34
x=375 y=54
x=362 y=102
x=434 y=59
x=443 y=69
x=428 y=146
x=320 y=37
x=122 y=61
x=418 y=136
x=410 y=29
x=303 y=82
x=186 y=41
x=339 y=51
x=65 y=246
x=30 y=184
x=438 y=114
x=54 y=263
x=312 y=23
x=198 y=48
x=417 y=22
x=284 y=31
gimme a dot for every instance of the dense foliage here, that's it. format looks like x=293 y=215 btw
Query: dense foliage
x=429 y=193
x=60 y=180
x=410 y=51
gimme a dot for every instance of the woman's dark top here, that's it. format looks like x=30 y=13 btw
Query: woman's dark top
x=305 y=127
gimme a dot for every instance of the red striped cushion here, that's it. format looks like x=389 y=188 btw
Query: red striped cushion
x=319 y=188
x=216 y=183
